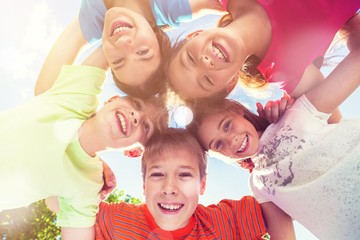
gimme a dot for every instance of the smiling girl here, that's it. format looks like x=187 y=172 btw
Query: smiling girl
x=304 y=167
x=142 y=44
x=260 y=41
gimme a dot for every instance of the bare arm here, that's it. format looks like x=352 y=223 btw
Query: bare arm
x=78 y=233
x=64 y=51
x=341 y=82
x=198 y=5
x=279 y=224
x=312 y=77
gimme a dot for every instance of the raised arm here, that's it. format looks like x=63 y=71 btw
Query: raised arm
x=78 y=233
x=278 y=223
x=198 y=5
x=341 y=82
x=64 y=51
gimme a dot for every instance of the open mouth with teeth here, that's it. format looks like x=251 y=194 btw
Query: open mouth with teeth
x=120 y=27
x=122 y=123
x=243 y=145
x=220 y=52
x=170 y=208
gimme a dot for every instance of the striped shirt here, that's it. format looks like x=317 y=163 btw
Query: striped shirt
x=229 y=219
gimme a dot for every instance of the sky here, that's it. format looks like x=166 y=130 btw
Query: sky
x=29 y=28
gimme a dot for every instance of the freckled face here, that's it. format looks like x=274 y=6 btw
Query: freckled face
x=172 y=187
x=230 y=134
x=130 y=46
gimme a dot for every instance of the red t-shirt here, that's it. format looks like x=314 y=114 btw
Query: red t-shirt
x=229 y=219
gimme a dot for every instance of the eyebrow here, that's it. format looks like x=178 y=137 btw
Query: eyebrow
x=218 y=127
x=181 y=167
x=186 y=167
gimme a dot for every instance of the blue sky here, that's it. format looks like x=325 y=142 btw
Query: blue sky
x=29 y=28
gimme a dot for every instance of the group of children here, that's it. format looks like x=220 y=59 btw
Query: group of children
x=297 y=161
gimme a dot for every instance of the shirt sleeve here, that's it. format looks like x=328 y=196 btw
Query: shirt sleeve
x=104 y=221
x=73 y=214
x=170 y=13
x=91 y=18
x=248 y=217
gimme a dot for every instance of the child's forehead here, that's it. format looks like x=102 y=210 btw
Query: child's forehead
x=175 y=157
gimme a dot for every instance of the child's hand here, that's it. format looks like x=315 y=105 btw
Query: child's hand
x=274 y=110
x=247 y=164
x=134 y=152
x=109 y=181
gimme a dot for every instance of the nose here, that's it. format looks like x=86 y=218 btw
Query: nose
x=234 y=141
x=169 y=187
x=135 y=117
x=125 y=40
x=207 y=61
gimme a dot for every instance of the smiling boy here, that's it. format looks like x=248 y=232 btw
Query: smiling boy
x=49 y=144
x=174 y=176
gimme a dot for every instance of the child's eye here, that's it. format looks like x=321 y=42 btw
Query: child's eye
x=191 y=59
x=218 y=144
x=146 y=126
x=185 y=174
x=226 y=126
x=142 y=52
x=208 y=80
x=156 y=174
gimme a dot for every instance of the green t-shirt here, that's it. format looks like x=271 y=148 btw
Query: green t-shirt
x=40 y=152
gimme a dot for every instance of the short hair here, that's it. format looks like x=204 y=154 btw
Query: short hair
x=160 y=117
x=156 y=81
x=170 y=140
x=248 y=74
x=201 y=111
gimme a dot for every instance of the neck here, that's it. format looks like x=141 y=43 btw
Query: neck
x=256 y=39
x=142 y=7
x=87 y=138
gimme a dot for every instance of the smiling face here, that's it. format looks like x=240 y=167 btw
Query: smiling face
x=207 y=63
x=125 y=121
x=130 y=44
x=230 y=134
x=172 y=187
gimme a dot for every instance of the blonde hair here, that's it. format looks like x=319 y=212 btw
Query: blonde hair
x=170 y=140
x=248 y=74
x=159 y=117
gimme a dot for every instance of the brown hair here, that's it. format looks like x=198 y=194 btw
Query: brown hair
x=160 y=117
x=156 y=82
x=168 y=141
x=201 y=111
x=248 y=74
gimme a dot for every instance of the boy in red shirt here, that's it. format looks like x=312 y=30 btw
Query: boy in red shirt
x=174 y=176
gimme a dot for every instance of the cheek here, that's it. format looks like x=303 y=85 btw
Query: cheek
x=138 y=135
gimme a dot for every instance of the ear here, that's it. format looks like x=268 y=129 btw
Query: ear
x=193 y=34
x=112 y=99
x=231 y=85
x=203 y=185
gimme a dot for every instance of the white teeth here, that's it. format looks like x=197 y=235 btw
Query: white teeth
x=219 y=53
x=122 y=123
x=243 y=144
x=170 y=206
x=120 y=29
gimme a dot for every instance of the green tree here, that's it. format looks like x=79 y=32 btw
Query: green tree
x=29 y=223
x=37 y=222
